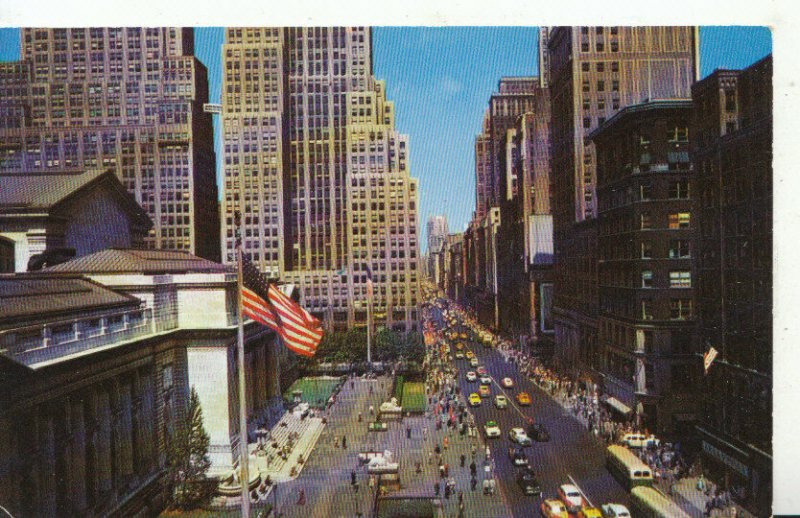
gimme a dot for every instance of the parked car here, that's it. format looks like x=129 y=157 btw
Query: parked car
x=492 y=429
x=500 y=401
x=571 y=497
x=615 y=511
x=523 y=398
x=552 y=508
x=519 y=436
x=517 y=457
x=378 y=426
x=538 y=432
x=529 y=484
x=639 y=440
x=507 y=383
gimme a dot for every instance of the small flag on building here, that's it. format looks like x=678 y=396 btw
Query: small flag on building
x=266 y=304
x=708 y=358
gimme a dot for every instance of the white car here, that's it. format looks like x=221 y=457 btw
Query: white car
x=507 y=383
x=639 y=440
x=459 y=355
x=486 y=379
x=519 y=436
x=471 y=376
x=492 y=429
x=500 y=401
x=571 y=497
x=615 y=511
x=474 y=362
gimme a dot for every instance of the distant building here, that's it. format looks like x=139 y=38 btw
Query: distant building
x=525 y=247
x=97 y=357
x=645 y=236
x=483 y=170
x=593 y=73
x=314 y=163
x=437 y=238
x=126 y=99
x=733 y=156
x=69 y=213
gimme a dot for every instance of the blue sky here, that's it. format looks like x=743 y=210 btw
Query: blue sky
x=440 y=79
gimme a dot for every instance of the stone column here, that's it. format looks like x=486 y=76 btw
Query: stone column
x=47 y=464
x=103 y=442
x=78 y=457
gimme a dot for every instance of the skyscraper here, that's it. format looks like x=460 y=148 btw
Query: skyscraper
x=314 y=163
x=595 y=71
x=128 y=99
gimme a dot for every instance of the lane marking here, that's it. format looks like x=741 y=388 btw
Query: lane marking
x=580 y=490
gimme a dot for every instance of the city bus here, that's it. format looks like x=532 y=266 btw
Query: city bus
x=627 y=467
x=649 y=503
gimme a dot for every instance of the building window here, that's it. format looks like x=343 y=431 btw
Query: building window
x=647 y=279
x=679 y=249
x=601 y=67
x=645 y=192
x=585 y=67
x=679 y=220
x=615 y=66
x=645 y=222
x=647 y=250
x=679 y=189
x=680 y=309
x=730 y=101
x=680 y=279
x=601 y=86
x=679 y=133
x=647 y=309
x=587 y=122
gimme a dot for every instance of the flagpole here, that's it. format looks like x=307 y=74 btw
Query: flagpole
x=243 y=446
x=369 y=329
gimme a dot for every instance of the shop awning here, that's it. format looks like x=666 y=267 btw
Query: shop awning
x=618 y=405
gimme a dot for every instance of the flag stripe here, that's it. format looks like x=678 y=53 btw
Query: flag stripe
x=299 y=331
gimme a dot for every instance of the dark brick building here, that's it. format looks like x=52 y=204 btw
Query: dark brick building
x=733 y=157
x=646 y=320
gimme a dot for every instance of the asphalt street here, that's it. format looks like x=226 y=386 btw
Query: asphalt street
x=571 y=456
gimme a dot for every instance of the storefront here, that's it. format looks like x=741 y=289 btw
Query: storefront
x=744 y=469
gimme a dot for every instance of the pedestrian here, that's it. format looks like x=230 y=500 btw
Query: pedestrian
x=344 y=442
x=463 y=459
x=473 y=482
x=301 y=498
x=473 y=469
x=408 y=432
x=372 y=482
x=436 y=488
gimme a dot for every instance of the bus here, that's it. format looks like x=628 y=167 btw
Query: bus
x=627 y=467
x=649 y=503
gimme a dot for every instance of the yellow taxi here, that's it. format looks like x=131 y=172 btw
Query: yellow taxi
x=523 y=398
x=474 y=399
x=484 y=391
x=463 y=336
x=590 y=512
x=459 y=346
x=552 y=508
x=469 y=354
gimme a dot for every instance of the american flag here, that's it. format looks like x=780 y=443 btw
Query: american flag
x=266 y=304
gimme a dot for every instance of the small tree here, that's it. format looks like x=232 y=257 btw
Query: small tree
x=189 y=461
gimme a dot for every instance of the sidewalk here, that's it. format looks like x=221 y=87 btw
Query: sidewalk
x=685 y=494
